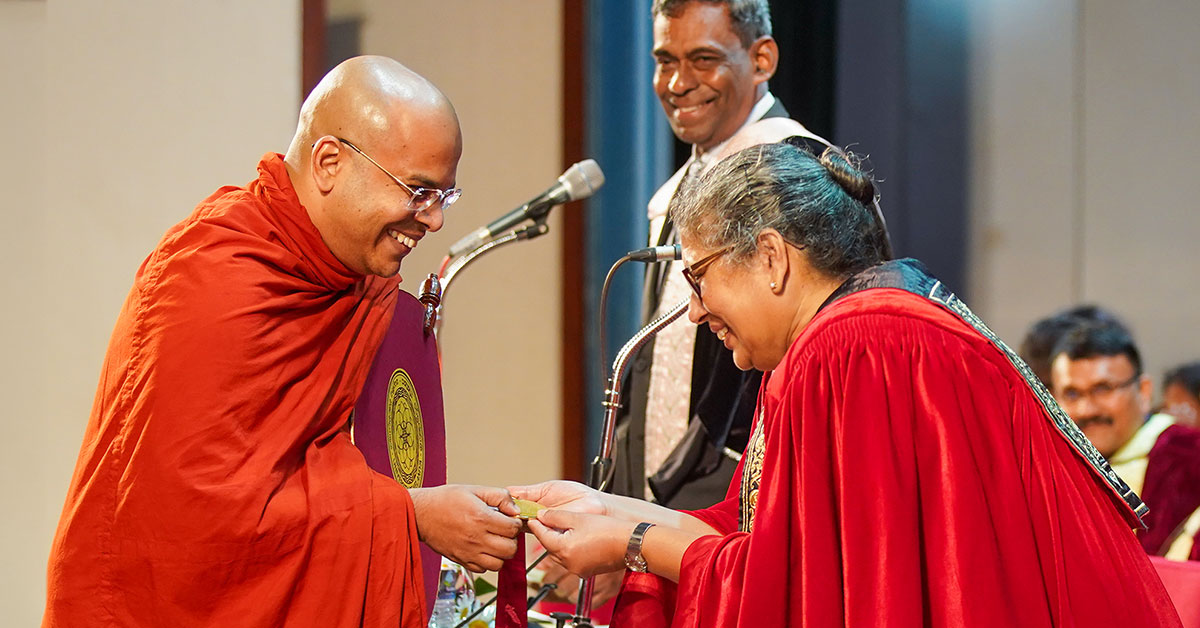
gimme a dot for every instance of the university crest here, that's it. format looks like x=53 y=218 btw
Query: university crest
x=405 y=431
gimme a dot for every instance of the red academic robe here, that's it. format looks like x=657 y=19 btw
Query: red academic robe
x=910 y=478
x=1171 y=488
x=217 y=484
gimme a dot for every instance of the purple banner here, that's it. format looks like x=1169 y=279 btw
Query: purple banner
x=399 y=420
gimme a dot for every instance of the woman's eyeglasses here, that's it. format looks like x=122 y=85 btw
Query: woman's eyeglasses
x=696 y=271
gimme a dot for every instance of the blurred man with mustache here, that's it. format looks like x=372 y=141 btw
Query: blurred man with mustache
x=1096 y=375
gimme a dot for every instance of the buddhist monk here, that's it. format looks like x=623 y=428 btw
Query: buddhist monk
x=217 y=484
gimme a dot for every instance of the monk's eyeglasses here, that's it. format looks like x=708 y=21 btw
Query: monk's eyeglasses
x=419 y=199
x=696 y=271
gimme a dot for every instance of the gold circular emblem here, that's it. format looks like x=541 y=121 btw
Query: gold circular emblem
x=405 y=431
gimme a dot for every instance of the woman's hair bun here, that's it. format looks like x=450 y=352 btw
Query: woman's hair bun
x=848 y=175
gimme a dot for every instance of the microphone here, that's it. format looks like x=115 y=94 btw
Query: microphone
x=654 y=254
x=578 y=182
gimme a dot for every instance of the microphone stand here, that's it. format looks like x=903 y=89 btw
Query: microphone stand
x=433 y=312
x=602 y=465
x=433 y=297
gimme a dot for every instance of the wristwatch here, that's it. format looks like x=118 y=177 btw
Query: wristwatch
x=634 y=561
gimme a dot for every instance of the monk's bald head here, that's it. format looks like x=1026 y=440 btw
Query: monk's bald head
x=369 y=96
x=372 y=133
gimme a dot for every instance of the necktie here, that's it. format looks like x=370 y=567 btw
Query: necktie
x=668 y=403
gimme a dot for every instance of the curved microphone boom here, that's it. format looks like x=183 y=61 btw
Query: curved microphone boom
x=578 y=182
x=649 y=255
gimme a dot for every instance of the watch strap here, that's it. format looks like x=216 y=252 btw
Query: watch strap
x=634 y=561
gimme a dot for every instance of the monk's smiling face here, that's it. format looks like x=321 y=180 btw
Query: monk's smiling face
x=371 y=226
x=370 y=133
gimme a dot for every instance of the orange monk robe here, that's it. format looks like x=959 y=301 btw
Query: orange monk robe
x=217 y=484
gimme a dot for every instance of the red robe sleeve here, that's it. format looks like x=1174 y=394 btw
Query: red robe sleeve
x=1171 y=488
x=648 y=601
x=911 y=478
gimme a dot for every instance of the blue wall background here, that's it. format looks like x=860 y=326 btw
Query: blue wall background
x=628 y=135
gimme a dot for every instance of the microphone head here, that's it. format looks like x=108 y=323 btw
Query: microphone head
x=665 y=253
x=582 y=180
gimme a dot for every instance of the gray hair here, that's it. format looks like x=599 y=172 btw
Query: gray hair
x=751 y=19
x=822 y=204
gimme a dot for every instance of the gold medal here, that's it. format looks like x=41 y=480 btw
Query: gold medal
x=529 y=510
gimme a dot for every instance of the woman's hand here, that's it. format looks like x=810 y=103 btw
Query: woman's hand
x=564 y=495
x=586 y=544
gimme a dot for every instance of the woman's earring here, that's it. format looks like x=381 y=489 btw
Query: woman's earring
x=774 y=285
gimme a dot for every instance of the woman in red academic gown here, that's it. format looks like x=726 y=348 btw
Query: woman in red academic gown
x=905 y=468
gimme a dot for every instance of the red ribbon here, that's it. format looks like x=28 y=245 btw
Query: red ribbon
x=511 y=611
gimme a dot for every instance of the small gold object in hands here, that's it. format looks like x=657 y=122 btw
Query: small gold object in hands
x=529 y=510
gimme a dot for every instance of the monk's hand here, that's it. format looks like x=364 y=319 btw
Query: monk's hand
x=563 y=495
x=475 y=526
x=585 y=544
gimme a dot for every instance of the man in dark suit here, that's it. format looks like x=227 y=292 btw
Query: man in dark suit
x=690 y=408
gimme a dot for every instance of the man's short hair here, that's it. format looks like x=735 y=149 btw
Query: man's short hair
x=751 y=19
x=1098 y=339
x=1039 y=342
x=1185 y=375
